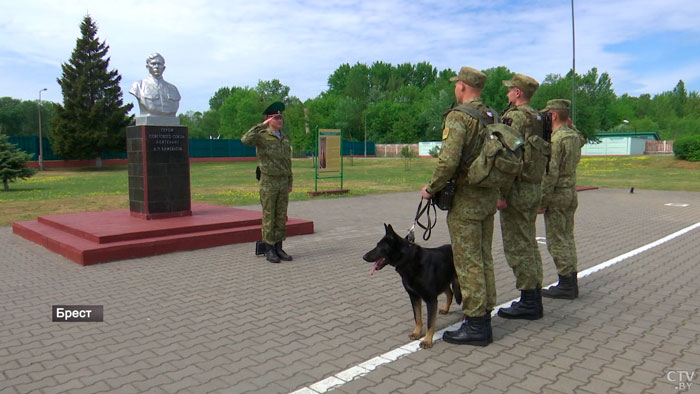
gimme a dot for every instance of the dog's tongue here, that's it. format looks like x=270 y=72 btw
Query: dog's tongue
x=376 y=266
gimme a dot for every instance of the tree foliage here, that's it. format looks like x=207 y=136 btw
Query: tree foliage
x=405 y=103
x=93 y=117
x=687 y=148
x=13 y=163
x=21 y=117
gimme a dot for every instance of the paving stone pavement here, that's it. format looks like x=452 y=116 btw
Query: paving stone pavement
x=222 y=320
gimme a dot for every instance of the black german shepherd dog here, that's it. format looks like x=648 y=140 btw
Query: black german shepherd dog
x=425 y=273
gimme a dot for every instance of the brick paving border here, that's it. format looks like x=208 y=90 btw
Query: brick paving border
x=223 y=320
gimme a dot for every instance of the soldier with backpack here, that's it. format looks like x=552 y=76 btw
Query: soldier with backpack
x=560 y=201
x=470 y=218
x=521 y=201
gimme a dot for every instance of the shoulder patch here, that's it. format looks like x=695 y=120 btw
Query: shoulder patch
x=508 y=121
x=445 y=133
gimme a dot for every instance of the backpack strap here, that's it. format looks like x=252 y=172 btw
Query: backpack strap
x=477 y=113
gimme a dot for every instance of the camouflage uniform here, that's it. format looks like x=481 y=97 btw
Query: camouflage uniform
x=470 y=220
x=560 y=200
x=275 y=159
x=518 y=220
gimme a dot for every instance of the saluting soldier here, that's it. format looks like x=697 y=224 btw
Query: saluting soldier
x=519 y=212
x=560 y=201
x=470 y=219
x=275 y=163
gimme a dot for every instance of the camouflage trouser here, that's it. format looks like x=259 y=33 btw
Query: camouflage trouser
x=559 y=223
x=471 y=248
x=274 y=197
x=519 y=235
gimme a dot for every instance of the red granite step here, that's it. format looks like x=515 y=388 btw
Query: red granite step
x=96 y=237
x=119 y=225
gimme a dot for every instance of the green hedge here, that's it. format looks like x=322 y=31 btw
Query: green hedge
x=687 y=148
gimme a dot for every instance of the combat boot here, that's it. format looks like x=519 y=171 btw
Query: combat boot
x=566 y=289
x=488 y=321
x=281 y=253
x=271 y=254
x=529 y=307
x=474 y=331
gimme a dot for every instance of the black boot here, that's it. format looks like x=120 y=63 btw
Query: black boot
x=567 y=288
x=282 y=255
x=488 y=321
x=474 y=331
x=529 y=307
x=271 y=254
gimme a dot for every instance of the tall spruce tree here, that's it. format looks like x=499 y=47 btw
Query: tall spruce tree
x=93 y=117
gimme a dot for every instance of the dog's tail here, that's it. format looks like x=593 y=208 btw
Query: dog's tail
x=457 y=291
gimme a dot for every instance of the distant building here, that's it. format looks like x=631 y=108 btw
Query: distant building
x=622 y=143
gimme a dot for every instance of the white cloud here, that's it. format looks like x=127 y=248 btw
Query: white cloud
x=210 y=44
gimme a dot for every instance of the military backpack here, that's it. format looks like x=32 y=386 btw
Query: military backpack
x=536 y=149
x=500 y=159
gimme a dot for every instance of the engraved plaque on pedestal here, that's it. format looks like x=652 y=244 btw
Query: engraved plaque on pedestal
x=159 y=171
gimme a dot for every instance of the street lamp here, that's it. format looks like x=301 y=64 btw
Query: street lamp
x=41 y=145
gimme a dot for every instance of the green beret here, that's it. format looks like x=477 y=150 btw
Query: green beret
x=557 y=104
x=275 y=108
x=471 y=77
x=528 y=85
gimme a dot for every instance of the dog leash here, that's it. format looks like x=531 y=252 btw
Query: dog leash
x=428 y=227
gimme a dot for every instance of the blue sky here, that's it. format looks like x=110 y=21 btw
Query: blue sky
x=645 y=45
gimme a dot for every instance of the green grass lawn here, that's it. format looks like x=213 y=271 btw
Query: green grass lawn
x=88 y=189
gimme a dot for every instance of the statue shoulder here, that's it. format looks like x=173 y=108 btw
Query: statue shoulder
x=172 y=90
x=135 y=88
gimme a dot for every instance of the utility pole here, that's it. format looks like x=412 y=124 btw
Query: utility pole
x=41 y=145
x=573 y=76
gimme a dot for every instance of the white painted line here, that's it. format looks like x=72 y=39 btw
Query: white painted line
x=371 y=364
x=541 y=240
x=366 y=367
x=676 y=204
x=351 y=373
x=326 y=384
x=396 y=354
x=637 y=251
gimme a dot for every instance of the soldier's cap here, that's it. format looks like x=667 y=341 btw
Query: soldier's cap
x=528 y=85
x=557 y=104
x=471 y=77
x=275 y=108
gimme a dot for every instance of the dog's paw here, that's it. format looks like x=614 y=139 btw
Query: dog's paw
x=426 y=345
x=443 y=311
x=414 y=335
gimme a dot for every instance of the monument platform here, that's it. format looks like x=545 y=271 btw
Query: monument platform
x=98 y=237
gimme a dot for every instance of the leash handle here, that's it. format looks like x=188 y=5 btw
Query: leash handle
x=428 y=227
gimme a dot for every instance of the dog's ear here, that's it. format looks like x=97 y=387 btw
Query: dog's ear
x=390 y=230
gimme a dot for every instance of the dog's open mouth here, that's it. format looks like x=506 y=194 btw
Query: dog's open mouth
x=379 y=264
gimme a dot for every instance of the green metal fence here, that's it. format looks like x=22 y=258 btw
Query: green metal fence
x=357 y=148
x=199 y=147
x=202 y=147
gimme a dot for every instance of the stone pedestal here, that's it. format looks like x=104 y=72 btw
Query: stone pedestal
x=159 y=171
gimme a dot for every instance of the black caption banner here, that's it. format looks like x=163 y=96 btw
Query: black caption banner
x=77 y=313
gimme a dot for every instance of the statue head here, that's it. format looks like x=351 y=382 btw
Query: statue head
x=155 y=63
